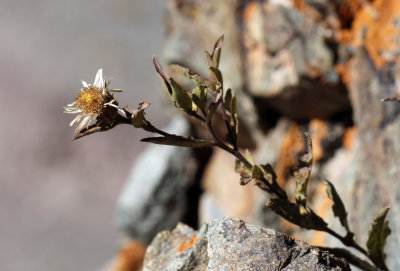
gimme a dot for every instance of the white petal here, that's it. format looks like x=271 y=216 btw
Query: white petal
x=85 y=84
x=71 y=104
x=112 y=105
x=83 y=123
x=99 y=80
x=76 y=119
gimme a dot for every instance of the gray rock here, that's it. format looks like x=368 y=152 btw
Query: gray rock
x=231 y=244
x=155 y=195
x=182 y=249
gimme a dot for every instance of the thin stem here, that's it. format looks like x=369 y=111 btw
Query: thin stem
x=150 y=128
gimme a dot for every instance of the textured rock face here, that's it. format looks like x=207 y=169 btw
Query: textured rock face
x=308 y=60
x=155 y=197
x=231 y=244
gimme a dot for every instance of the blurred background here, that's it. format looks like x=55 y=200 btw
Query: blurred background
x=58 y=196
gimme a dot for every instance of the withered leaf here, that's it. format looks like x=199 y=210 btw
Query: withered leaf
x=338 y=207
x=163 y=76
x=292 y=213
x=188 y=73
x=179 y=141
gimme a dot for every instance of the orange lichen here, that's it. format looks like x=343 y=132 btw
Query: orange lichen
x=250 y=10
x=187 y=244
x=374 y=27
x=319 y=131
x=349 y=136
x=130 y=257
x=299 y=4
x=292 y=144
x=347 y=10
x=344 y=72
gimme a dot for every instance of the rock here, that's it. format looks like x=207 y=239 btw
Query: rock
x=182 y=249
x=155 y=196
x=231 y=244
x=291 y=63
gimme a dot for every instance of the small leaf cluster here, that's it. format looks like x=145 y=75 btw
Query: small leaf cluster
x=203 y=101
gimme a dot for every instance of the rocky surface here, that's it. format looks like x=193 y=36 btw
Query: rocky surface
x=231 y=244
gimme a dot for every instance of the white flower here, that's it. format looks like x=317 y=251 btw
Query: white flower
x=91 y=102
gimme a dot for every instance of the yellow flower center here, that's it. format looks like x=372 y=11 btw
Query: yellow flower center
x=91 y=100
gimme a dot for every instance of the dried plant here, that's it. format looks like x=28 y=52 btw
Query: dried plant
x=95 y=104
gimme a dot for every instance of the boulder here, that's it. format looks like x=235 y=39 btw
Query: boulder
x=231 y=244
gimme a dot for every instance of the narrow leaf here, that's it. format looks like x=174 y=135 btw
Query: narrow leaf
x=179 y=141
x=188 y=73
x=338 y=207
x=302 y=174
x=228 y=100
x=377 y=234
x=234 y=114
x=216 y=55
x=181 y=98
x=163 y=76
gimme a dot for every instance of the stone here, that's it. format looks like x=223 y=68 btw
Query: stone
x=231 y=244
x=155 y=196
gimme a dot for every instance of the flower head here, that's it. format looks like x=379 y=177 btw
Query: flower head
x=94 y=101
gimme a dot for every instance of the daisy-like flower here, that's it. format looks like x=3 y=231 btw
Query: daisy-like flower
x=94 y=101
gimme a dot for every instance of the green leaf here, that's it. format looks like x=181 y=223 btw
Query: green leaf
x=181 y=98
x=215 y=81
x=179 y=141
x=188 y=73
x=338 y=207
x=292 y=213
x=199 y=96
x=377 y=234
x=163 y=76
x=302 y=174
